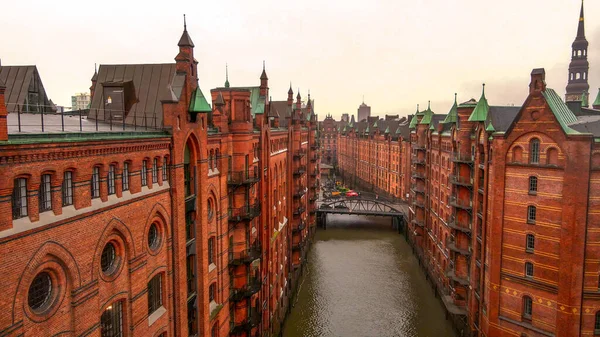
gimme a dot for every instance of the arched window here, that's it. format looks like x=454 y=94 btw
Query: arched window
x=529 y=243
x=517 y=154
x=187 y=172
x=528 y=269
x=552 y=157
x=211 y=158
x=534 y=151
x=577 y=76
x=533 y=185
x=211 y=250
x=527 y=307
x=212 y=292
x=214 y=332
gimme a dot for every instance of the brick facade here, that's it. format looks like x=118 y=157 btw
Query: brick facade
x=224 y=234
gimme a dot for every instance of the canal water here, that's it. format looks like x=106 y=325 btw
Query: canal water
x=362 y=280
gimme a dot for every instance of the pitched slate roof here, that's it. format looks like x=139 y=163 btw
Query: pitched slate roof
x=149 y=84
x=501 y=117
x=17 y=80
x=282 y=109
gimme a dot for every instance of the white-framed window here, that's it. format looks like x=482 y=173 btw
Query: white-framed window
x=144 y=173
x=67 y=188
x=111 y=179
x=155 y=171
x=19 y=198
x=125 y=179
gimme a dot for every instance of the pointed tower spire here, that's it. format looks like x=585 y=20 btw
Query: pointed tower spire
x=290 y=92
x=95 y=77
x=263 y=76
x=596 y=103
x=185 y=40
x=226 y=76
x=581 y=26
x=579 y=66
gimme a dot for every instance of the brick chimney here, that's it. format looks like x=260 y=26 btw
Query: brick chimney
x=538 y=81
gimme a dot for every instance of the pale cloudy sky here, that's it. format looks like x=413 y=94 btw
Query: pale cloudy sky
x=396 y=53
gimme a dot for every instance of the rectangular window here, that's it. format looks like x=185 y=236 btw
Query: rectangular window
x=527 y=307
x=96 y=182
x=528 y=269
x=212 y=292
x=19 y=198
x=125 y=180
x=165 y=175
x=190 y=232
x=187 y=177
x=211 y=250
x=192 y=318
x=531 y=214
x=111 y=322
x=145 y=173
x=45 y=193
x=111 y=179
x=155 y=171
x=191 y=275
x=67 y=188
x=154 y=294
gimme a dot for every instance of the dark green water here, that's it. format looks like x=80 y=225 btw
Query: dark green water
x=364 y=281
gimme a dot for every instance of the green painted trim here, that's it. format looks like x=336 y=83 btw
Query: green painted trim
x=65 y=137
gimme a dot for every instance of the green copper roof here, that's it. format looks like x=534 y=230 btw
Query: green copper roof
x=452 y=116
x=417 y=113
x=597 y=101
x=490 y=128
x=367 y=129
x=398 y=131
x=427 y=114
x=375 y=124
x=345 y=129
x=480 y=113
x=198 y=102
x=387 y=130
x=562 y=113
x=584 y=99
x=351 y=124
x=413 y=122
x=257 y=101
x=431 y=127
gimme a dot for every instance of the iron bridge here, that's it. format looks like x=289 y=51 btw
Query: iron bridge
x=358 y=206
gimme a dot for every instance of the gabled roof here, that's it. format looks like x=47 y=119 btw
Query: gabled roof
x=501 y=117
x=198 y=102
x=18 y=80
x=560 y=110
x=427 y=114
x=597 y=101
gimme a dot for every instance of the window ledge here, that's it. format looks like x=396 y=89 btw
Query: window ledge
x=156 y=315
x=211 y=267
x=212 y=173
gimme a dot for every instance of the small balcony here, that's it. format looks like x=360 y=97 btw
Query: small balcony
x=314 y=158
x=451 y=244
x=247 y=324
x=313 y=174
x=245 y=213
x=451 y=274
x=419 y=203
x=315 y=146
x=247 y=177
x=300 y=154
x=462 y=204
x=418 y=147
x=418 y=223
x=246 y=256
x=300 y=171
x=459 y=226
x=296 y=246
x=418 y=175
x=417 y=160
x=418 y=189
x=298 y=193
x=249 y=289
x=462 y=158
x=299 y=210
x=299 y=228
x=461 y=181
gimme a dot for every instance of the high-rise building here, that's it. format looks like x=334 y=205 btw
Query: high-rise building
x=364 y=112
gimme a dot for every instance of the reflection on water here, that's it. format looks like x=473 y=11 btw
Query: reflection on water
x=362 y=280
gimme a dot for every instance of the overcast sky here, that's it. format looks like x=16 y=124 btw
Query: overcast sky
x=397 y=53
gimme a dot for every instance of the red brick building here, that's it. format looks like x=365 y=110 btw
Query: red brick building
x=156 y=214
x=502 y=205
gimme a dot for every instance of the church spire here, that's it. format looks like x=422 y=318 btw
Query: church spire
x=185 y=40
x=579 y=66
x=226 y=76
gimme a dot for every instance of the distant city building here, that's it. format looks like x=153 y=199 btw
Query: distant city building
x=345 y=118
x=364 y=111
x=80 y=101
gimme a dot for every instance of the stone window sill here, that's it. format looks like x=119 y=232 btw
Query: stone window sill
x=211 y=267
x=156 y=315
